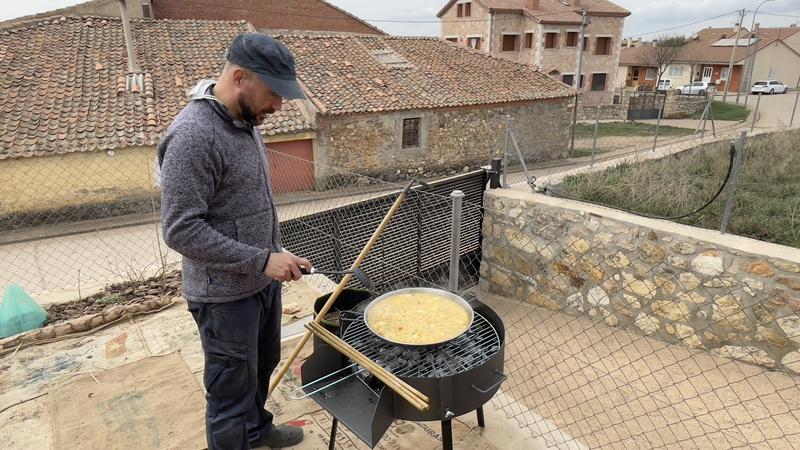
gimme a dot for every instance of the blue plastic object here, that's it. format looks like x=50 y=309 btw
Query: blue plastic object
x=19 y=312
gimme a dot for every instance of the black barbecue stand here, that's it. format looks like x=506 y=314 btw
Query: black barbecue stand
x=458 y=377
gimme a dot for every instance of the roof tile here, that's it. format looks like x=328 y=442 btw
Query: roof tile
x=441 y=75
x=83 y=102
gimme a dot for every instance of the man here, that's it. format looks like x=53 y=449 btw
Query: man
x=218 y=212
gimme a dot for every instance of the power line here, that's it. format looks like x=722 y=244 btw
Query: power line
x=577 y=20
x=685 y=25
x=777 y=15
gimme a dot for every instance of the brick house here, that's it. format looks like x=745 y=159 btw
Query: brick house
x=777 y=55
x=633 y=71
x=385 y=104
x=317 y=15
x=707 y=55
x=542 y=33
x=77 y=133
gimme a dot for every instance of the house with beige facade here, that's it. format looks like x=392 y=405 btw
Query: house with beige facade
x=544 y=34
x=773 y=53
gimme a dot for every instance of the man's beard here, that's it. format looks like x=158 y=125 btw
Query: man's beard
x=249 y=115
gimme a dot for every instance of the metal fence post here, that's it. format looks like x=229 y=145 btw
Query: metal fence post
x=658 y=122
x=705 y=115
x=755 y=113
x=505 y=151
x=455 y=239
x=737 y=163
x=702 y=119
x=796 y=97
x=594 y=142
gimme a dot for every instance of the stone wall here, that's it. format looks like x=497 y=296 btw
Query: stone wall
x=450 y=139
x=733 y=296
x=675 y=106
x=588 y=103
x=683 y=106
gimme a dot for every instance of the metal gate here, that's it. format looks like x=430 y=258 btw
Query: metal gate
x=415 y=248
x=645 y=105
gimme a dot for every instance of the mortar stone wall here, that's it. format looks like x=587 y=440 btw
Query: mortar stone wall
x=646 y=278
x=450 y=139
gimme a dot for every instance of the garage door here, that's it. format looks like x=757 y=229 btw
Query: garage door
x=291 y=165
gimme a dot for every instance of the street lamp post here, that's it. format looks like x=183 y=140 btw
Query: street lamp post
x=752 y=52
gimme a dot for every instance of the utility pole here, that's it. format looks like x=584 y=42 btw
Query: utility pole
x=577 y=81
x=733 y=53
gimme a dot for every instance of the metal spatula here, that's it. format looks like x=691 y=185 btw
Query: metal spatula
x=358 y=274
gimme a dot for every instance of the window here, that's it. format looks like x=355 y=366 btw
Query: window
x=474 y=42
x=452 y=39
x=568 y=79
x=650 y=75
x=411 y=132
x=676 y=71
x=599 y=82
x=603 y=46
x=572 y=39
x=510 y=42
x=551 y=40
x=723 y=74
x=586 y=44
x=528 y=40
x=464 y=9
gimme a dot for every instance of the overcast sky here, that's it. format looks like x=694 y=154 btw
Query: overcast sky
x=648 y=18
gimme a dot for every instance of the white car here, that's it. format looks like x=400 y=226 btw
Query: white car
x=696 y=88
x=769 y=87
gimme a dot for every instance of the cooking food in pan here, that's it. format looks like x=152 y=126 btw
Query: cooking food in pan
x=418 y=318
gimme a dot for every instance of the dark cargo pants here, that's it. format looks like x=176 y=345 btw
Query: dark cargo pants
x=241 y=342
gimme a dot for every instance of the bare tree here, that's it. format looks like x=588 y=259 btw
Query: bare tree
x=662 y=53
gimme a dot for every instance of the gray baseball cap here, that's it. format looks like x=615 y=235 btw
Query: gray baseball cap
x=269 y=59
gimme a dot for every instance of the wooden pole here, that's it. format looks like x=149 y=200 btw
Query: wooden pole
x=342 y=285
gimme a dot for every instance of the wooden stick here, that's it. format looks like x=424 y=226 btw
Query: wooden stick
x=342 y=285
x=334 y=340
x=411 y=395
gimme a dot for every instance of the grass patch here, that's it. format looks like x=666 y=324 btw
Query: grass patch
x=586 y=130
x=112 y=299
x=767 y=204
x=726 y=111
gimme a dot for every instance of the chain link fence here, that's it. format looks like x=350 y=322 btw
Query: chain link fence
x=618 y=334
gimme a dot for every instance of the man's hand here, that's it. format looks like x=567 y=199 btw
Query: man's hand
x=285 y=266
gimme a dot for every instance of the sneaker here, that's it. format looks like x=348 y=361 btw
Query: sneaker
x=282 y=436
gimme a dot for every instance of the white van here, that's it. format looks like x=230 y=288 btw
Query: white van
x=664 y=84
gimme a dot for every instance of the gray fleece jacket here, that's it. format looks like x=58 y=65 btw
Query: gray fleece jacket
x=217 y=209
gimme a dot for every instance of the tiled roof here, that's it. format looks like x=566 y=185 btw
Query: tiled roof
x=632 y=56
x=701 y=49
x=367 y=73
x=62 y=88
x=550 y=11
x=317 y=15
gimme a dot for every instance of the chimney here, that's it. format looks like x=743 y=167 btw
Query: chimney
x=133 y=64
x=533 y=4
x=147 y=9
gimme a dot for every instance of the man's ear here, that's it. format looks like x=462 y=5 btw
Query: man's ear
x=239 y=75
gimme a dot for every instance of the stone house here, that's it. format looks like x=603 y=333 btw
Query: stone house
x=542 y=33
x=317 y=15
x=78 y=132
x=387 y=105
